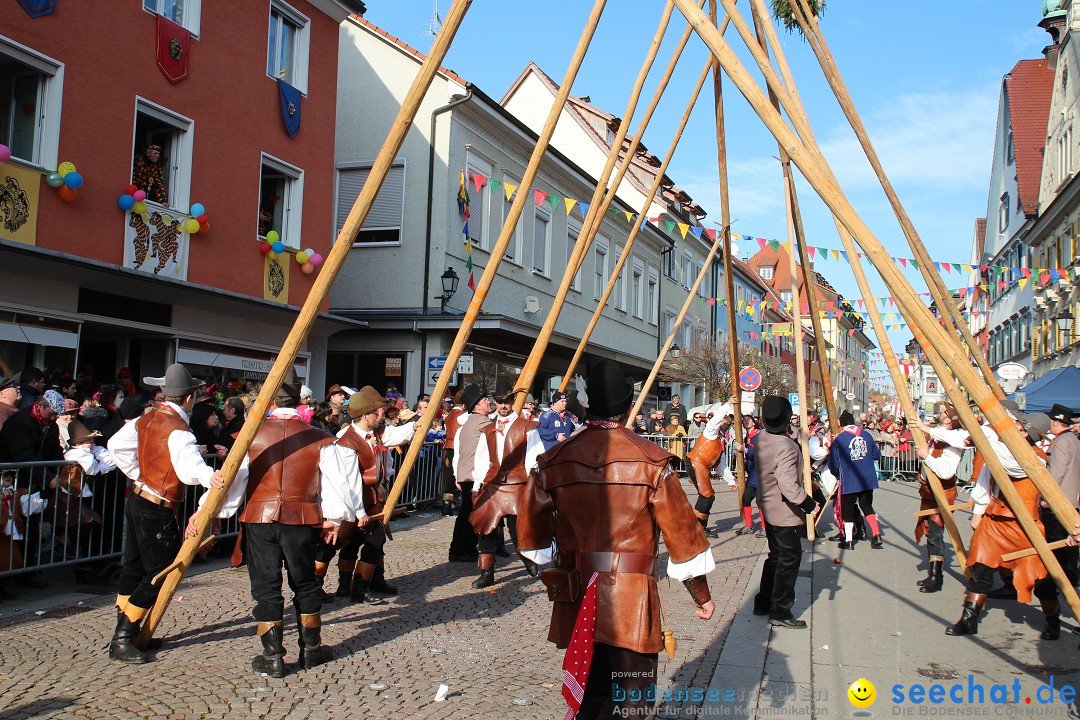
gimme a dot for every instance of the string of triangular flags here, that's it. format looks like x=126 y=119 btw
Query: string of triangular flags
x=463 y=210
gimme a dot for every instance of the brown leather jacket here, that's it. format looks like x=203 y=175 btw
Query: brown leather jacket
x=505 y=480
x=155 y=464
x=283 y=473
x=372 y=469
x=606 y=495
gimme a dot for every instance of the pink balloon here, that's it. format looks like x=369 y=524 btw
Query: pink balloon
x=316 y=259
x=307 y=268
x=5 y=153
x=139 y=195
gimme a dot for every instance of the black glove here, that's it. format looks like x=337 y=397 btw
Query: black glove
x=808 y=504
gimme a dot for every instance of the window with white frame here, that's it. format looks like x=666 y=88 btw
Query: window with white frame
x=1065 y=153
x=479 y=203
x=1003 y=213
x=31 y=90
x=636 y=288
x=281 y=192
x=185 y=13
x=688 y=276
x=703 y=288
x=512 y=252
x=765 y=272
x=541 y=241
x=669 y=320
x=600 y=270
x=785 y=296
x=165 y=175
x=382 y=226
x=573 y=231
x=619 y=291
x=287 y=46
x=670 y=264
x=651 y=296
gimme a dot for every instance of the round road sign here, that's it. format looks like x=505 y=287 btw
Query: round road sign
x=749 y=379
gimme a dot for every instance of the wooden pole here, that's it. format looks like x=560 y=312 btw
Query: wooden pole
x=319 y=292
x=497 y=253
x=1028 y=552
x=797 y=336
x=864 y=288
x=634 y=232
x=729 y=277
x=928 y=332
x=947 y=308
x=675 y=329
x=762 y=25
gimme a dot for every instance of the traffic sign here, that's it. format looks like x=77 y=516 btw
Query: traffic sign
x=436 y=362
x=850 y=396
x=435 y=366
x=749 y=379
x=793 y=398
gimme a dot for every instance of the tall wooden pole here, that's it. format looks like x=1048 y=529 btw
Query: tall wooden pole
x=948 y=309
x=319 y=292
x=729 y=268
x=928 y=332
x=634 y=232
x=762 y=25
x=497 y=253
x=797 y=333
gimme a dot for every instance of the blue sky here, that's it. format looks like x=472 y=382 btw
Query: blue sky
x=925 y=76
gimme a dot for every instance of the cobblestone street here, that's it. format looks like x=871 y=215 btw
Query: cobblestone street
x=489 y=647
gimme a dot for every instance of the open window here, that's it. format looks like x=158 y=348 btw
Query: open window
x=281 y=200
x=31 y=89
x=287 y=45
x=165 y=173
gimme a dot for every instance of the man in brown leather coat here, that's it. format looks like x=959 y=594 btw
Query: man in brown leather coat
x=604 y=496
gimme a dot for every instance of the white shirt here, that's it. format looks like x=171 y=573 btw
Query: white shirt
x=392 y=436
x=340 y=483
x=954 y=442
x=712 y=428
x=184 y=454
x=534 y=447
x=985 y=489
x=94 y=461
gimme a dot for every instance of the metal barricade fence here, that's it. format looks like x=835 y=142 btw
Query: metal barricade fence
x=48 y=520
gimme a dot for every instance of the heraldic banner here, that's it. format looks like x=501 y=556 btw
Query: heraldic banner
x=290 y=107
x=19 y=192
x=173 y=45
x=276 y=278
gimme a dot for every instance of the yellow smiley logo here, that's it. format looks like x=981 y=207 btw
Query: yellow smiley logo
x=862 y=693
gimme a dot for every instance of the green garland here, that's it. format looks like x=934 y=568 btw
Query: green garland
x=781 y=10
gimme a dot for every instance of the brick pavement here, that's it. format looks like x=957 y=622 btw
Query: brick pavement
x=489 y=647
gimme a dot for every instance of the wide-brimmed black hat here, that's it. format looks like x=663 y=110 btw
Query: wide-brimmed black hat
x=179 y=382
x=1061 y=413
x=776 y=413
x=610 y=393
x=471 y=395
x=504 y=391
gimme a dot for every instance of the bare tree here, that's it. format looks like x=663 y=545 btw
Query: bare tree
x=708 y=364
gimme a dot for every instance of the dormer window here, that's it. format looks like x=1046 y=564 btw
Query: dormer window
x=766 y=272
x=610 y=137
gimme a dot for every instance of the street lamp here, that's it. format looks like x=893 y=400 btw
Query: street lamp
x=676 y=351
x=450 y=281
x=1064 y=325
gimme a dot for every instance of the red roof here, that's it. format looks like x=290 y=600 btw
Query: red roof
x=363 y=22
x=1029 y=87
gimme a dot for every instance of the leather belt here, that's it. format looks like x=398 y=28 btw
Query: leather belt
x=616 y=562
x=150 y=497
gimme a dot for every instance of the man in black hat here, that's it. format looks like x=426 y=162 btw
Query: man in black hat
x=472 y=423
x=784 y=505
x=160 y=455
x=300 y=487
x=555 y=424
x=606 y=471
x=1065 y=467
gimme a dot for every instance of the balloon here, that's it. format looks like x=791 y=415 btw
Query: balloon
x=272 y=236
x=140 y=206
x=65 y=168
x=73 y=180
x=126 y=202
x=309 y=251
x=67 y=194
x=278 y=246
x=131 y=190
x=5 y=153
x=139 y=195
x=54 y=179
x=204 y=227
x=197 y=209
x=302 y=257
x=202 y=219
x=316 y=259
x=272 y=255
x=264 y=248
x=307 y=269
x=192 y=225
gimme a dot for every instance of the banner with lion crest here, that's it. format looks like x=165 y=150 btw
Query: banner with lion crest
x=19 y=191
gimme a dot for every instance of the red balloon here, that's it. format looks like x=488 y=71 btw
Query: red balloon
x=202 y=219
x=204 y=227
x=67 y=194
x=264 y=247
x=130 y=190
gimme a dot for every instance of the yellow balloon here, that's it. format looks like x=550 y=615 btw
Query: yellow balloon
x=192 y=225
x=65 y=168
x=302 y=257
x=140 y=207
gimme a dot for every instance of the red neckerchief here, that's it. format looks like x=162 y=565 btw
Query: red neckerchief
x=35 y=412
x=579 y=653
x=603 y=424
x=501 y=424
x=853 y=429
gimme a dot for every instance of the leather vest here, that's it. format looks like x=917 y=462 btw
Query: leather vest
x=283 y=473
x=1029 y=496
x=453 y=424
x=511 y=471
x=155 y=463
x=372 y=468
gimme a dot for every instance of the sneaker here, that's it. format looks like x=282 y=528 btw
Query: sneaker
x=760 y=532
x=744 y=530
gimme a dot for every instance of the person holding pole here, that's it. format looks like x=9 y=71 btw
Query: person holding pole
x=851 y=460
x=467 y=475
x=942 y=454
x=703 y=456
x=300 y=487
x=160 y=455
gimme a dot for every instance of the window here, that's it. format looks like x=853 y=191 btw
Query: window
x=1003 y=213
x=166 y=180
x=688 y=276
x=1010 y=150
x=382 y=226
x=636 y=289
x=281 y=198
x=669 y=321
x=785 y=296
x=599 y=271
x=512 y=246
x=1064 y=147
x=541 y=238
x=620 y=287
x=702 y=290
x=31 y=90
x=479 y=203
x=182 y=12
x=765 y=272
x=287 y=46
x=572 y=233
x=668 y=259
x=651 y=298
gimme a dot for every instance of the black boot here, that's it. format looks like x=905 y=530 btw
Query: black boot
x=876 y=543
x=272 y=659
x=702 y=508
x=968 y=624
x=378 y=581
x=312 y=652
x=344 y=585
x=123 y=647
x=487 y=571
x=1052 y=610
x=361 y=586
x=934 y=580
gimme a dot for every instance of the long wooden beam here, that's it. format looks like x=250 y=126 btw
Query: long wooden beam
x=497 y=253
x=320 y=290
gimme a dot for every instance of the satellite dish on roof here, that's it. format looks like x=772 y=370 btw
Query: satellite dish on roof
x=734 y=249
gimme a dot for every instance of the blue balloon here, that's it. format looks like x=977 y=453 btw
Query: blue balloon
x=126 y=202
x=278 y=247
x=73 y=180
x=197 y=209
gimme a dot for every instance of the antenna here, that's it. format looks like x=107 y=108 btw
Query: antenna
x=435 y=23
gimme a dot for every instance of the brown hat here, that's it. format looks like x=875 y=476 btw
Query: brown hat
x=950 y=411
x=79 y=434
x=334 y=390
x=366 y=400
x=458 y=397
